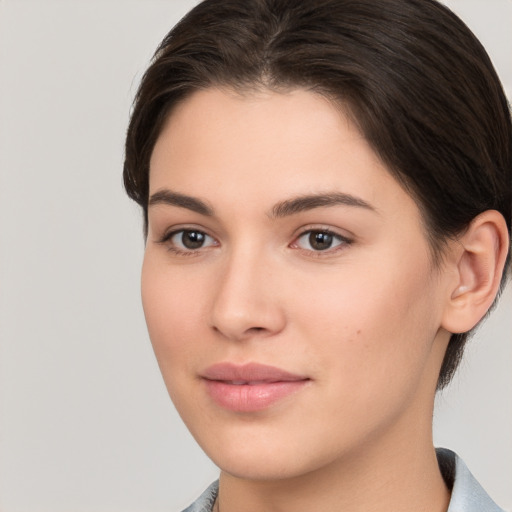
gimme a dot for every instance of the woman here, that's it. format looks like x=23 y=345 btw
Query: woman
x=326 y=188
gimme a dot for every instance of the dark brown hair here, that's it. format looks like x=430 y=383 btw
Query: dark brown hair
x=414 y=78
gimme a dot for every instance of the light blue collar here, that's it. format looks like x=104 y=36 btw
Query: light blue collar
x=467 y=494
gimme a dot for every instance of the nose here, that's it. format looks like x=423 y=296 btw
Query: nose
x=246 y=302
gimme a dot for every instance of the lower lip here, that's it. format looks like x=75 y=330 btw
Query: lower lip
x=251 y=398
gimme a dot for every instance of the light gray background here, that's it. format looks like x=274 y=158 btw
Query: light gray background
x=85 y=421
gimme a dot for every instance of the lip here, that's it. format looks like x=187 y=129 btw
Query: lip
x=250 y=387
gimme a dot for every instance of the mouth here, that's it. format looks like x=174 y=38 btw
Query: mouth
x=250 y=388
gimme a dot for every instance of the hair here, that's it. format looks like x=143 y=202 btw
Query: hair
x=410 y=74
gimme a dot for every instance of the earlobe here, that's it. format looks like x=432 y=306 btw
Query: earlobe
x=478 y=260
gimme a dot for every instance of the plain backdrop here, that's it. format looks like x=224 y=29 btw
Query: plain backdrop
x=85 y=421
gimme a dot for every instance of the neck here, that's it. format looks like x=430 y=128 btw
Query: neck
x=393 y=476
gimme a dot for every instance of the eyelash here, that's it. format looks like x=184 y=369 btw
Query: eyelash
x=343 y=242
x=167 y=237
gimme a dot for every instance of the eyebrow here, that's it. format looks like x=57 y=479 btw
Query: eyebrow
x=312 y=201
x=282 y=209
x=181 y=200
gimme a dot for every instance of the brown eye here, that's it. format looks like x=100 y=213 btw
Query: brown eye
x=320 y=240
x=191 y=239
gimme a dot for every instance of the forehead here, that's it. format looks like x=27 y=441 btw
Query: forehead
x=223 y=145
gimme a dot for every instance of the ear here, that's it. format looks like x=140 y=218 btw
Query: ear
x=478 y=261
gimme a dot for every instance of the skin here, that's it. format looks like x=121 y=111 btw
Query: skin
x=364 y=320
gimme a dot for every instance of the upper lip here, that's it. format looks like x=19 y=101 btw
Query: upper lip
x=249 y=373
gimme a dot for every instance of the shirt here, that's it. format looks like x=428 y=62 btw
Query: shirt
x=467 y=494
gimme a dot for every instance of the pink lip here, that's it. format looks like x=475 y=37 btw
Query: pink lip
x=251 y=387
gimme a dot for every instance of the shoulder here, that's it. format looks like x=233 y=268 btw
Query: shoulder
x=467 y=494
x=205 y=502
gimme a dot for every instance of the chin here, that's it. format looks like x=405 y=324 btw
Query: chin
x=266 y=456
x=260 y=468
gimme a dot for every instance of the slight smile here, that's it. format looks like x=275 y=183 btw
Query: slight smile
x=251 y=387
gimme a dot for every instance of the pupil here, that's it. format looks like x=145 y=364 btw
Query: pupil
x=320 y=241
x=192 y=239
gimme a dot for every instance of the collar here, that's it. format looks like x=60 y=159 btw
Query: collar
x=467 y=494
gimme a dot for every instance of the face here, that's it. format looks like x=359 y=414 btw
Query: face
x=287 y=286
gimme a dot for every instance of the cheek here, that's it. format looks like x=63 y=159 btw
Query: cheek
x=172 y=309
x=371 y=328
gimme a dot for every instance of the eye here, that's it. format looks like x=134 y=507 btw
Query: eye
x=190 y=240
x=320 y=240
